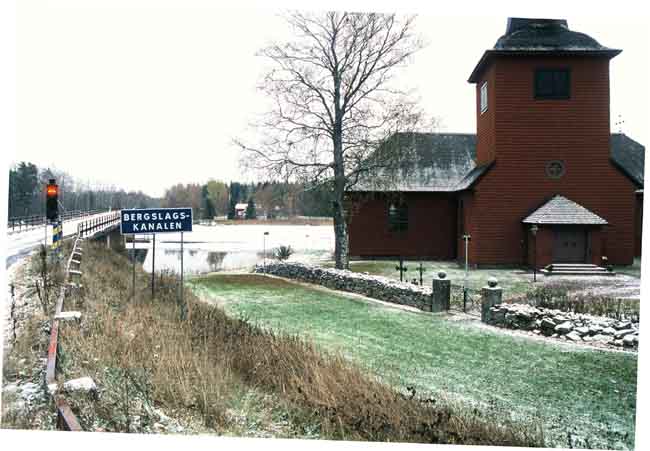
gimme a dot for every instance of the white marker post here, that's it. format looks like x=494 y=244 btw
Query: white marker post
x=466 y=237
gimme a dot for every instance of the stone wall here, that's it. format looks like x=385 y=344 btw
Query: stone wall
x=377 y=287
x=579 y=328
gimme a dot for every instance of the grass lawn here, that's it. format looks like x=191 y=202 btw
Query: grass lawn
x=633 y=270
x=515 y=281
x=586 y=394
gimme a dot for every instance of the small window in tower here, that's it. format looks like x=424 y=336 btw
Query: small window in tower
x=552 y=84
x=484 y=97
x=398 y=217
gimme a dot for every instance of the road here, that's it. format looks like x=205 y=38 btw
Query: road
x=20 y=244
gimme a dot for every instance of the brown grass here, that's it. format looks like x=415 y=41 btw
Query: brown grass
x=202 y=364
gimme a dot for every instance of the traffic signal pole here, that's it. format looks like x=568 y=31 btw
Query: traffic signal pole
x=52 y=215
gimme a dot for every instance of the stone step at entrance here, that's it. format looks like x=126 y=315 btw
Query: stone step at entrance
x=576 y=269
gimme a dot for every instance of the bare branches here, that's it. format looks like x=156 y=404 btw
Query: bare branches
x=333 y=101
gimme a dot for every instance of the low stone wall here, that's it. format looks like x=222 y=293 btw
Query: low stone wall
x=377 y=287
x=574 y=327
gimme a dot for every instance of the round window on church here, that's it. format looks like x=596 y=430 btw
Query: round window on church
x=555 y=169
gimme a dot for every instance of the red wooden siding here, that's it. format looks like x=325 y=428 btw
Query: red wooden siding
x=528 y=133
x=638 y=225
x=431 y=230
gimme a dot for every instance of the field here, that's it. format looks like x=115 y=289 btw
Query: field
x=584 y=398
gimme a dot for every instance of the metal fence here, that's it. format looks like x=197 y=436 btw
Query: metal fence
x=466 y=300
x=98 y=223
x=23 y=223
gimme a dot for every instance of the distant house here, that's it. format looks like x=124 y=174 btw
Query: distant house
x=542 y=181
x=240 y=211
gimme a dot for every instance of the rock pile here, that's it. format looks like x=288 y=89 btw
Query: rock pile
x=565 y=325
x=377 y=287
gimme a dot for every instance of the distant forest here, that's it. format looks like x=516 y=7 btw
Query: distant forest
x=263 y=199
x=27 y=192
x=213 y=199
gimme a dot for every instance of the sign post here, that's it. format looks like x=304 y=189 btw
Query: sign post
x=153 y=267
x=183 y=306
x=133 y=261
x=153 y=221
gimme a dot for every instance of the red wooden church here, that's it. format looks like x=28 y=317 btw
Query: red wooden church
x=543 y=180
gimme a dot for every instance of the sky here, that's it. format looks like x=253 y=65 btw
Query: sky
x=144 y=94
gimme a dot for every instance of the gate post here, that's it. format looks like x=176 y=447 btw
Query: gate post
x=490 y=296
x=440 y=293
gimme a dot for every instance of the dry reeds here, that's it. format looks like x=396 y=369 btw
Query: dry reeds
x=201 y=362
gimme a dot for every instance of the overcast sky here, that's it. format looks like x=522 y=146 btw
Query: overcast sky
x=146 y=94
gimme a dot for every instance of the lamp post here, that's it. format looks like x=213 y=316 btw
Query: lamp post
x=533 y=230
x=264 y=255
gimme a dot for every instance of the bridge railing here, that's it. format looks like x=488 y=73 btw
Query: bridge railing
x=23 y=223
x=97 y=224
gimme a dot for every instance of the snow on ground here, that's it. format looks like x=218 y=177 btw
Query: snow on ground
x=231 y=247
x=618 y=286
x=20 y=244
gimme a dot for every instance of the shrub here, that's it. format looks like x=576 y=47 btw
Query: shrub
x=283 y=253
x=560 y=297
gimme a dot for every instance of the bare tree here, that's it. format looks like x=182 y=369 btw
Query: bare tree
x=333 y=102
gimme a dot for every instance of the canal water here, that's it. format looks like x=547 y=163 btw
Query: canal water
x=233 y=247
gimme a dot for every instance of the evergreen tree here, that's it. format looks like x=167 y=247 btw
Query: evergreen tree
x=231 y=210
x=250 y=209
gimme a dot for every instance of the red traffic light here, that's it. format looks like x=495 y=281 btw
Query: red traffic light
x=52 y=190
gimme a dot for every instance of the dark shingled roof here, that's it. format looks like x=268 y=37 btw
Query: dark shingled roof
x=547 y=36
x=440 y=162
x=629 y=156
x=445 y=162
x=561 y=210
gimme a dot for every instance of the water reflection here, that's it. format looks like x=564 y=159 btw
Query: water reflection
x=201 y=261
x=197 y=261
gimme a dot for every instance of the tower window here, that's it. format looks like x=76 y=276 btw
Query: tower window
x=484 y=97
x=552 y=84
x=398 y=217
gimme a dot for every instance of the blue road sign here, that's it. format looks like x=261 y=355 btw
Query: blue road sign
x=156 y=220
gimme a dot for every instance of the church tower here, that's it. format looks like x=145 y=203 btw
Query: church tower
x=543 y=115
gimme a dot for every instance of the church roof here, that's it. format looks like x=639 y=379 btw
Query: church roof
x=430 y=162
x=445 y=162
x=541 y=36
x=560 y=210
x=629 y=156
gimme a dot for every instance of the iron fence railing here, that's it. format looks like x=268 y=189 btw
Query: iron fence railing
x=466 y=300
x=23 y=223
x=98 y=223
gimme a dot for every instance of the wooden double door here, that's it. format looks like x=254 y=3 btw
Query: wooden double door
x=571 y=244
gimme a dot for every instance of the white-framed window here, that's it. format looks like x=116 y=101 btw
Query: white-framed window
x=484 y=97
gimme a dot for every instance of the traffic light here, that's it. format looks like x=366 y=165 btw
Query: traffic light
x=52 y=202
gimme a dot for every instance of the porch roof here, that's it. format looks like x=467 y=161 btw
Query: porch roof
x=560 y=210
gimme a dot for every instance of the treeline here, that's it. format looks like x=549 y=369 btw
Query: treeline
x=27 y=184
x=250 y=200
